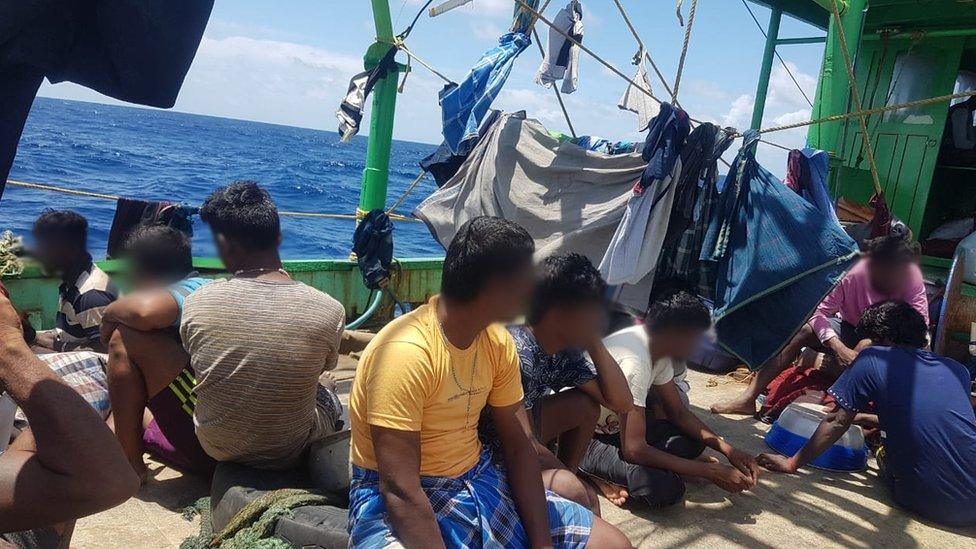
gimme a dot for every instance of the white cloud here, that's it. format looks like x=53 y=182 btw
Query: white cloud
x=486 y=30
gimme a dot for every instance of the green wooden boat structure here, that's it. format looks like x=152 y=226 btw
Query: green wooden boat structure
x=900 y=51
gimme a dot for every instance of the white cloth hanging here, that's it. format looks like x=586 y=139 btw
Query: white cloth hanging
x=636 y=245
x=562 y=57
x=637 y=101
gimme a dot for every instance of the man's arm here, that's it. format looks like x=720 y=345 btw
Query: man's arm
x=524 y=474
x=398 y=460
x=70 y=465
x=830 y=430
x=143 y=311
x=820 y=322
x=636 y=450
x=610 y=387
x=690 y=424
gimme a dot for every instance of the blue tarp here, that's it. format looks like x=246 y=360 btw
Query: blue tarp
x=776 y=257
x=464 y=105
x=814 y=185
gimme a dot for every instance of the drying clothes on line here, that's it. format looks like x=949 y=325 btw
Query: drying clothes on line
x=806 y=174
x=130 y=213
x=637 y=101
x=562 y=57
x=443 y=164
x=464 y=105
x=776 y=257
x=636 y=245
x=567 y=198
x=605 y=146
x=350 y=112
x=695 y=196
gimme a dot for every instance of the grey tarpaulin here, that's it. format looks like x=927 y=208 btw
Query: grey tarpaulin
x=133 y=50
x=567 y=197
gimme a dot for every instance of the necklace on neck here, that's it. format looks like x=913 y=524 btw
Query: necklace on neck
x=470 y=390
x=261 y=270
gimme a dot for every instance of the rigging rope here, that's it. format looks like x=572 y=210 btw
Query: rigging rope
x=643 y=48
x=778 y=56
x=684 y=49
x=114 y=198
x=401 y=45
x=866 y=141
x=403 y=197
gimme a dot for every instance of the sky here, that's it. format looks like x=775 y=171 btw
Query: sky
x=291 y=63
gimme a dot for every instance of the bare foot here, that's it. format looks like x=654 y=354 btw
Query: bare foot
x=615 y=494
x=738 y=407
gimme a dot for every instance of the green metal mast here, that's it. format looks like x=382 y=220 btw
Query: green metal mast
x=377 y=173
x=772 y=35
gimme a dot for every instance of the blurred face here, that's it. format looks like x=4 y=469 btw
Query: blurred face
x=677 y=343
x=890 y=278
x=56 y=255
x=580 y=324
x=508 y=295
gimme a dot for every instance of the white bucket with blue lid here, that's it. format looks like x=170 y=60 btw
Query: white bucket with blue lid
x=797 y=424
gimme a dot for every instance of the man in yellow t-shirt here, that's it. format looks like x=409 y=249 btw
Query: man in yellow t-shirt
x=420 y=477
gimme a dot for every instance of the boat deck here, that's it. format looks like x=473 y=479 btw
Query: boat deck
x=813 y=509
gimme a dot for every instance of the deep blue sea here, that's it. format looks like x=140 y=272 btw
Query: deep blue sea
x=163 y=155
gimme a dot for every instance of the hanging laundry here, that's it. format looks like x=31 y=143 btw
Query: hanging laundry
x=636 y=245
x=443 y=164
x=605 y=146
x=695 y=195
x=350 y=112
x=130 y=213
x=636 y=100
x=566 y=197
x=881 y=223
x=464 y=105
x=776 y=257
x=562 y=57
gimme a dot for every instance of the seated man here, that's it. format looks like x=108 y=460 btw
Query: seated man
x=890 y=271
x=420 y=478
x=928 y=454
x=69 y=466
x=61 y=240
x=259 y=342
x=566 y=317
x=147 y=364
x=643 y=454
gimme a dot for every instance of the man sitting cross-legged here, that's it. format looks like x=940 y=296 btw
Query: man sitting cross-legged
x=147 y=366
x=926 y=419
x=643 y=454
x=259 y=342
x=67 y=466
x=565 y=321
x=420 y=477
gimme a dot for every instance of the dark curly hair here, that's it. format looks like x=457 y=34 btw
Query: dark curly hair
x=892 y=249
x=565 y=280
x=62 y=225
x=483 y=248
x=243 y=212
x=677 y=309
x=893 y=322
x=159 y=250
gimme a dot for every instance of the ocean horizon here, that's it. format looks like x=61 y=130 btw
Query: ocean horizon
x=154 y=154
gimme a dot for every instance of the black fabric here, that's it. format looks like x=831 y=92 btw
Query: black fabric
x=443 y=164
x=647 y=485
x=133 y=50
x=130 y=213
x=373 y=245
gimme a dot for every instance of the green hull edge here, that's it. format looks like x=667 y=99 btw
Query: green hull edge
x=417 y=279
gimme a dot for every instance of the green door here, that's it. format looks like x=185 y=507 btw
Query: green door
x=906 y=141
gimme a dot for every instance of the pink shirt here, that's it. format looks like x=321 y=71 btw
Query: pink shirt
x=854 y=294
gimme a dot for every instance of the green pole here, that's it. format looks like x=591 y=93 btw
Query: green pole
x=833 y=90
x=772 y=35
x=377 y=173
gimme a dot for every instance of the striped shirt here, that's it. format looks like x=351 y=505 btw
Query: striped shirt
x=81 y=305
x=258 y=348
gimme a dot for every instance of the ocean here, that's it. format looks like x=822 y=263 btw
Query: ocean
x=163 y=155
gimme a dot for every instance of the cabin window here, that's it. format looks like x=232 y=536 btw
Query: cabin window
x=912 y=78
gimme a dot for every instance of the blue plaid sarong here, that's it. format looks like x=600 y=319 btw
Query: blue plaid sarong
x=775 y=257
x=473 y=510
x=465 y=105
